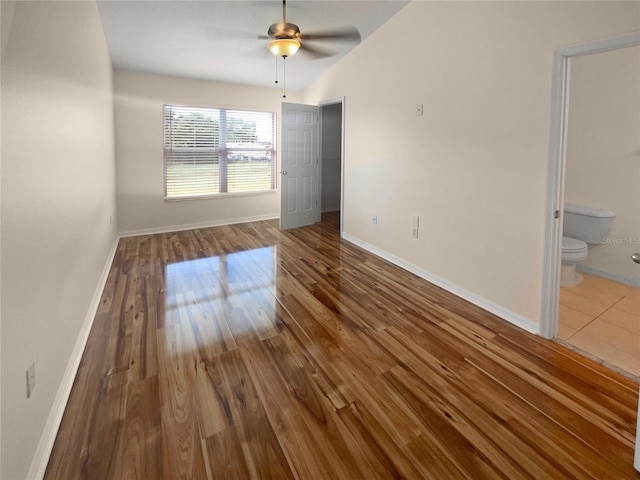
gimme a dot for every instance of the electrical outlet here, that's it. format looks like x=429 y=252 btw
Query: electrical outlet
x=374 y=219
x=414 y=232
x=419 y=110
x=415 y=221
x=31 y=378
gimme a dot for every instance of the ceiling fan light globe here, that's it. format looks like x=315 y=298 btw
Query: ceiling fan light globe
x=283 y=47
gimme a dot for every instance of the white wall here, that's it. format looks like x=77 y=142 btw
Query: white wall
x=603 y=151
x=138 y=113
x=58 y=192
x=474 y=167
x=331 y=157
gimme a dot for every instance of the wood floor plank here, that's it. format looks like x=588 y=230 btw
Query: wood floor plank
x=139 y=454
x=549 y=399
x=437 y=463
x=380 y=455
x=262 y=453
x=469 y=411
x=99 y=454
x=324 y=373
x=247 y=352
x=181 y=440
x=533 y=427
x=484 y=408
x=474 y=455
x=210 y=399
x=143 y=361
x=303 y=435
x=74 y=432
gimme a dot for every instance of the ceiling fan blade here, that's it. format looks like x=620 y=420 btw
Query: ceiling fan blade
x=350 y=33
x=315 y=52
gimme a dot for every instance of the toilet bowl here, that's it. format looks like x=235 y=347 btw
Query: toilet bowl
x=581 y=226
x=573 y=251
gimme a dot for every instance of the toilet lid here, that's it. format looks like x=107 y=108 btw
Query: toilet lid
x=572 y=245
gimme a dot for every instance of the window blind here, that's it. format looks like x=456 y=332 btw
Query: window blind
x=211 y=151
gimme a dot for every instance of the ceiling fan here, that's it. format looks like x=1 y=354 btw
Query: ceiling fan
x=286 y=38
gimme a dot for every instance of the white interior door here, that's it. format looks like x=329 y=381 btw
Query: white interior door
x=299 y=166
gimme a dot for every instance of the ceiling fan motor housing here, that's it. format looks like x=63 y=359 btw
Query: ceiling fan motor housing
x=284 y=30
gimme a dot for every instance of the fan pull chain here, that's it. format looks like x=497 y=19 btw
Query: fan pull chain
x=276 y=70
x=284 y=76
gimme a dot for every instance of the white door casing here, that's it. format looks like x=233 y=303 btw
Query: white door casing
x=299 y=203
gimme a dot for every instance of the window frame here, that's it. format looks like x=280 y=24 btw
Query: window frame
x=224 y=151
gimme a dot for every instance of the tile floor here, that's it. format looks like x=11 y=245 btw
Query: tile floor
x=602 y=318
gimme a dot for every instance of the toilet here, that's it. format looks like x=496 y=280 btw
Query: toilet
x=573 y=251
x=581 y=226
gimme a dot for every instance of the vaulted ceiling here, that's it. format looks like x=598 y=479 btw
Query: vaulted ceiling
x=218 y=40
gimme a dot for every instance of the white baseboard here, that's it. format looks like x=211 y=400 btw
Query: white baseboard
x=48 y=437
x=634 y=282
x=505 y=314
x=192 y=226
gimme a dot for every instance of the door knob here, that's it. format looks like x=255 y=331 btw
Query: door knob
x=284 y=172
x=636 y=257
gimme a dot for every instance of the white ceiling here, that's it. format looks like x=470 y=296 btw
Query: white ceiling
x=218 y=40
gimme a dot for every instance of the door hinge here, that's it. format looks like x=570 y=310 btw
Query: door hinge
x=556 y=214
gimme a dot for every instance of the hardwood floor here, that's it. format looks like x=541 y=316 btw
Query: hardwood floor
x=246 y=352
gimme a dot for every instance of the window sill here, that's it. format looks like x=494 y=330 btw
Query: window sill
x=219 y=196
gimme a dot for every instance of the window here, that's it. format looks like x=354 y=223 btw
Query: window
x=212 y=151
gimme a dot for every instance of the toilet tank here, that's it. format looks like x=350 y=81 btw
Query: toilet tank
x=588 y=224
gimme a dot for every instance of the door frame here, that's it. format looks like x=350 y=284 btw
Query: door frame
x=556 y=171
x=325 y=103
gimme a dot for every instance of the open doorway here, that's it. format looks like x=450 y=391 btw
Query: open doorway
x=599 y=310
x=556 y=183
x=591 y=161
x=332 y=152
